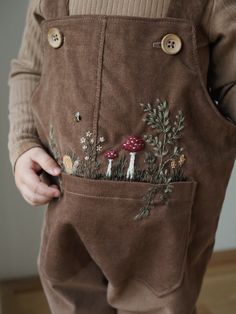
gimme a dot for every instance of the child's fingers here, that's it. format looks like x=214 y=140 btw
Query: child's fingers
x=32 y=180
x=46 y=162
x=32 y=198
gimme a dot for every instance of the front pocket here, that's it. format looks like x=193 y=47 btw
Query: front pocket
x=152 y=250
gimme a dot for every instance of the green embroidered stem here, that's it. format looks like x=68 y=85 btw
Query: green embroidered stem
x=89 y=166
x=119 y=170
x=163 y=140
x=53 y=146
x=149 y=199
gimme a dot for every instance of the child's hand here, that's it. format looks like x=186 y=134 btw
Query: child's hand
x=27 y=179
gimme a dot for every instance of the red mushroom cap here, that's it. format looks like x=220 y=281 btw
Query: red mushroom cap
x=133 y=144
x=111 y=154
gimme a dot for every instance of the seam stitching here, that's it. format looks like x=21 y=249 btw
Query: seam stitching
x=98 y=80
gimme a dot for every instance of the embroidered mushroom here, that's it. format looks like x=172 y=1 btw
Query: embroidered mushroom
x=133 y=144
x=110 y=155
x=68 y=164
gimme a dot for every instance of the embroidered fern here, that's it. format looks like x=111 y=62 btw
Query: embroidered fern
x=165 y=150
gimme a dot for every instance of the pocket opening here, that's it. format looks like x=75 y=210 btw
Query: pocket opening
x=86 y=187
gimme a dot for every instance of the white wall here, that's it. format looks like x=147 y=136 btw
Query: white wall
x=20 y=223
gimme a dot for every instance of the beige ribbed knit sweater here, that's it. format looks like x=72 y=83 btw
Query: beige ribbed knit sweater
x=218 y=22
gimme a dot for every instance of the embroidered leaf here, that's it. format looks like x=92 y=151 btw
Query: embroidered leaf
x=158 y=117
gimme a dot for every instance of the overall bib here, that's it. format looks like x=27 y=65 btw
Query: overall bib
x=146 y=156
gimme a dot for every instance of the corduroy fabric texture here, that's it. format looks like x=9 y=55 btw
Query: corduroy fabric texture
x=217 y=23
x=90 y=241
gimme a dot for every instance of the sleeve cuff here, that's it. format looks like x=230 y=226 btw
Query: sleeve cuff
x=22 y=148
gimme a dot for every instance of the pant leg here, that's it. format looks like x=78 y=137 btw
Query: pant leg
x=84 y=293
x=72 y=281
x=90 y=234
x=161 y=311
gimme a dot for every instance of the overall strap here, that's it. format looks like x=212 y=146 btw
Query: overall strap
x=54 y=8
x=187 y=9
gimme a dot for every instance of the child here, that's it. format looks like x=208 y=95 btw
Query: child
x=132 y=103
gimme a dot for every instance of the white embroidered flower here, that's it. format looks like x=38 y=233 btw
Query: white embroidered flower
x=84 y=147
x=92 y=141
x=82 y=140
x=88 y=134
x=86 y=157
x=101 y=139
x=99 y=147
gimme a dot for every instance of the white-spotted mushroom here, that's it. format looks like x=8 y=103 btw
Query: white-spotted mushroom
x=132 y=144
x=110 y=155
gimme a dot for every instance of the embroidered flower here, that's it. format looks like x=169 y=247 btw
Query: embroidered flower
x=182 y=160
x=89 y=166
x=173 y=164
x=99 y=148
x=101 y=139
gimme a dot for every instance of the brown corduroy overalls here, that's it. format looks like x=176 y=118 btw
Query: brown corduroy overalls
x=146 y=156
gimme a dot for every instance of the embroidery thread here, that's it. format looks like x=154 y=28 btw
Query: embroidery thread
x=133 y=144
x=110 y=155
x=163 y=164
x=163 y=141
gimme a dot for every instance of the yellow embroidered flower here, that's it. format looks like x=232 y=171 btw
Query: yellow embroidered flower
x=173 y=164
x=182 y=160
x=68 y=164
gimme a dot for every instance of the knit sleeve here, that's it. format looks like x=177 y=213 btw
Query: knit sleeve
x=222 y=70
x=24 y=75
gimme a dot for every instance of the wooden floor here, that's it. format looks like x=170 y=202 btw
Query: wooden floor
x=218 y=295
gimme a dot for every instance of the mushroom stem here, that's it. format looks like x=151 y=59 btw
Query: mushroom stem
x=130 y=171
x=108 y=174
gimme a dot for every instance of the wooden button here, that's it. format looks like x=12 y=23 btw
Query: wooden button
x=171 y=44
x=55 y=37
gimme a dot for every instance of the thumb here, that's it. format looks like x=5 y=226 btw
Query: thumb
x=46 y=162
